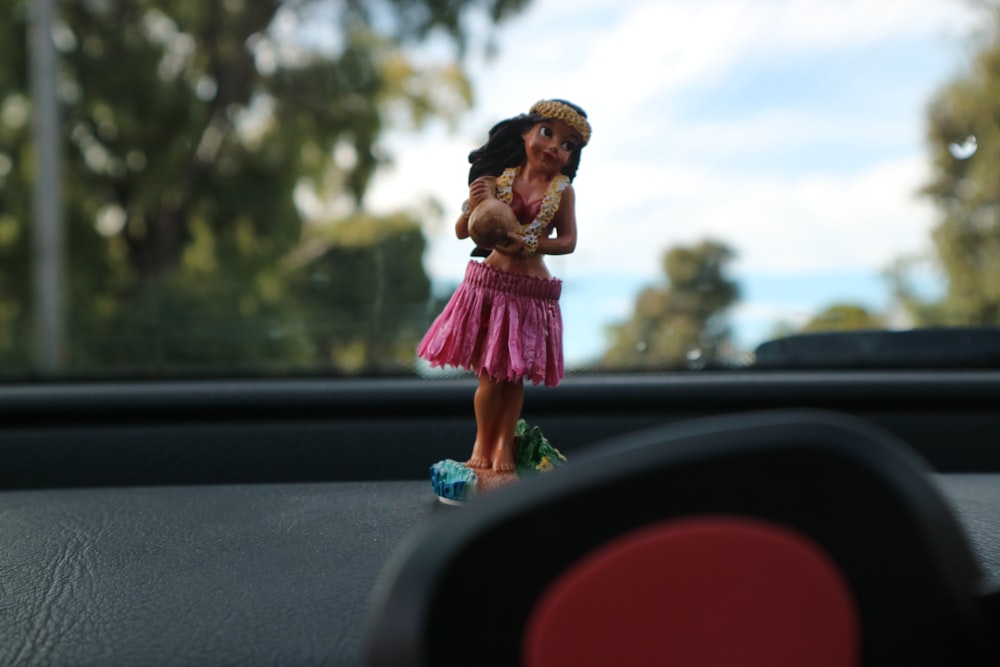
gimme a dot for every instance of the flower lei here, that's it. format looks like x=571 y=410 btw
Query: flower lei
x=550 y=204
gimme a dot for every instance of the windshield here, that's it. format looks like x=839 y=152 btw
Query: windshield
x=242 y=188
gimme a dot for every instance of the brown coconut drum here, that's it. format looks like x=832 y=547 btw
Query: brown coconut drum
x=490 y=222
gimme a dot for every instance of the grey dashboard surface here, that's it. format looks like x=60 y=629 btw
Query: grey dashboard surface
x=242 y=574
x=233 y=574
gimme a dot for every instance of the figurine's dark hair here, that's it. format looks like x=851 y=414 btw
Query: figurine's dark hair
x=505 y=147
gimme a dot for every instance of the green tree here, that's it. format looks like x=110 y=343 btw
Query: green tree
x=844 y=317
x=964 y=138
x=682 y=324
x=367 y=293
x=190 y=127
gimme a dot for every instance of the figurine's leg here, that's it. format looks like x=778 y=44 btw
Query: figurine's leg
x=488 y=404
x=505 y=452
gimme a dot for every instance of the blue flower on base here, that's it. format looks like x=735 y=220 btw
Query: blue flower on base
x=453 y=481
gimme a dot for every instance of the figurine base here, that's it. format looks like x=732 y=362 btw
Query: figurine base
x=454 y=483
x=486 y=481
x=491 y=481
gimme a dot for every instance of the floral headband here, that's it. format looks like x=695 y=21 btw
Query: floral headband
x=564 y=112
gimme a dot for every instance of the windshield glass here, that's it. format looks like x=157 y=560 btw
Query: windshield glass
x=239 y=188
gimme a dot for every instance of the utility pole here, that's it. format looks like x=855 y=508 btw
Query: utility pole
x=48 y=240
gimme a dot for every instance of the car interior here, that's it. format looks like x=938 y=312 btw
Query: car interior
x=255 y=521
x=773 y=320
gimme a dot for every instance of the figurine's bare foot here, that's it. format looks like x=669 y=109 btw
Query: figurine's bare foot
x=477 y=462
x=503 y=461
x=481 y=457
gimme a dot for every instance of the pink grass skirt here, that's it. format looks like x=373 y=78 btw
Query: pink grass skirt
x=502 y=324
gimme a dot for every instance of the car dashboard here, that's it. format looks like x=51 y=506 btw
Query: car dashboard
x=248 y=521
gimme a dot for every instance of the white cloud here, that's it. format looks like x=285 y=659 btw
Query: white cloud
x=619 y=59
x=809 y=222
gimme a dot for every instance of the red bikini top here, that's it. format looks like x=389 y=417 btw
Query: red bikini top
x=525 y=212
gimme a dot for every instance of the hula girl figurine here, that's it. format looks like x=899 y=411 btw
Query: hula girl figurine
x=503 y=322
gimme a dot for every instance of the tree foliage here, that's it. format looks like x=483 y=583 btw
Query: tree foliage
x=682 y=324
x=368 y=274
x=844 y=317
x=191 y=130
x=964 y=139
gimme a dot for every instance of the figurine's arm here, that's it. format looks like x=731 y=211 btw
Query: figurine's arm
x=564 y=223
x=484 y=187
x=462 y=226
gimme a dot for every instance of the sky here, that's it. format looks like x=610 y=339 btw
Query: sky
x=790 y=130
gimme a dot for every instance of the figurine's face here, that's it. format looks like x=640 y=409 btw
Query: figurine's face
x=550 y=143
